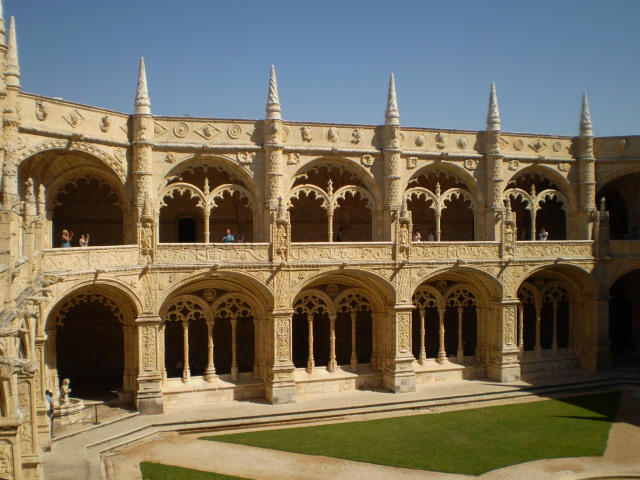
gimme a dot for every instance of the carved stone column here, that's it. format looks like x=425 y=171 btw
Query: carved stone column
x=210 y=372
x=333 y=363
x=423 y=350
x=234 y=349
x=186 y=371
x=279 y=384
x=537 y=349
x=504 y=365
x=149 y=394
x=398 y=375
x=594 y=321
x=460 y=351
x=354 y=354
x=442 y=353
x=310 y=361
x=521 y=330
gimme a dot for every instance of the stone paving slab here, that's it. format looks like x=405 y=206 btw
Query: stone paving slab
x=79 y=456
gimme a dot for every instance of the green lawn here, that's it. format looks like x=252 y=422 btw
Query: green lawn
x=470 y=441
x=157 y=471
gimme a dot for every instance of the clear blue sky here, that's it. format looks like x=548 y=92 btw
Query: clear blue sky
x=334 y=57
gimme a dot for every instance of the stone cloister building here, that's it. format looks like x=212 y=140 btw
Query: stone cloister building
x=159 y=309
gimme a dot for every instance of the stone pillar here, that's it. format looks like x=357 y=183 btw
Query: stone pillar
x=398 y=375
x=354 y=354
x=423 y=350
x=279 y=384
x=234 y=349
x=594 y=351
x=442 y=353
x=149 y=394
x=210 y=372
x=311 y=363
x=333 y=363
x=504 y=365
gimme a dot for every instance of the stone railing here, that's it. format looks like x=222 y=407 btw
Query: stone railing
x=190 y=254
x=76 y=258
x=90 y=258
x=560 y=249
x=340 y=251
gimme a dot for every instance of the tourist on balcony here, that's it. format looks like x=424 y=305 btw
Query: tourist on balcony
x=84 y=240
x=240 y=237
x=544 y=235
x=339 y=235
x=416 y=236
x=430 y=236
x=66 y=238
x=228 y=238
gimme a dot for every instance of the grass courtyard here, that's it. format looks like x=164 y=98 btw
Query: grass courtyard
x=470 y=441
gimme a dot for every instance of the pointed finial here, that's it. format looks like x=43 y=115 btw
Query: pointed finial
x=586 y=128
x=493 y=116
x=273 y=103
x=392 y=115
x=12 y=68
x=143 y=103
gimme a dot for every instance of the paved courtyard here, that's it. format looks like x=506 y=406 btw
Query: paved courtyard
x=115 y=450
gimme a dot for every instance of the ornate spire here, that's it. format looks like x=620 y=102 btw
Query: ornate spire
x=143 y=103
x=12 y=68
x=586 y=128
x=493 y=116
x=273 y=103
x=392 y=115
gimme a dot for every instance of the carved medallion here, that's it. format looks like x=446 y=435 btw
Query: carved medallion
x=73 y=118
x=207 y=131
x=471 y=164
x=181 y=130
x=367 y=160
x=462 y=142
x=412 y=162
x=234 y=131
x=420 y=140
x=518 y=144
x=293 y=158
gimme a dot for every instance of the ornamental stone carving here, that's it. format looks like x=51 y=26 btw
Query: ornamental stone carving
x=462 y=142
x=305 y=132
x=181 y=130
x=356 y=136
x=412 y=162
x=105 y=123
x=245 y=158
x=293 y=158
x=207 y=131
x=42 y=110
x=514 y=165
x=333 y=134
x=538 y=145
x=234 y=131
x=74 y=118
x=471 y=164
x=420 y=140
x=367 y=160
x=441 y=140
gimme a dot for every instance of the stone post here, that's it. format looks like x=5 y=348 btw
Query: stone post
x=504 y=365
x=149 y=394
x=586 y=174
x=280 y=386
x=398 y=374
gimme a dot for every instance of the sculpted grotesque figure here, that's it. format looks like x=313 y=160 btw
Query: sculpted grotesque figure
x=12 y=365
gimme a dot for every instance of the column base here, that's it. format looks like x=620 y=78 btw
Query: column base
x=505 y=368
x=280 y=387
x=149 y=399
x=400 y=377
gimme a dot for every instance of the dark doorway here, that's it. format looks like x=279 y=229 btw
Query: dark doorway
x=187 y=230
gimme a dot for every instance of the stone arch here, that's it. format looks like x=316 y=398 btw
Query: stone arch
x=327 y=196
x=337 y=322
x=624 y=318
x=555 y=315
x=91 y=338
x=448 y=209
x=80 y=193
x=540 y=208
x=227 y=336
x=216 y=194
x=622 y=201
x=451 y=316
x=351 y=165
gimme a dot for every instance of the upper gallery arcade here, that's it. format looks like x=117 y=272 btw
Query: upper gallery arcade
x=331 y=288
